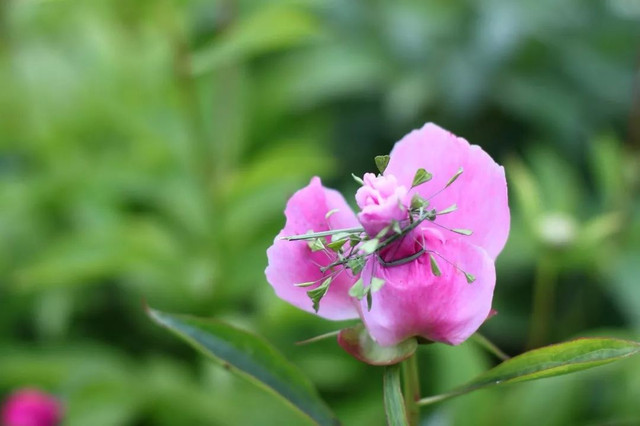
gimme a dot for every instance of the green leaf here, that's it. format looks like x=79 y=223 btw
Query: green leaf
x=470 y=278
x=549 y=361
x=250 y=357
x=454 y=177
x=318 y=293
x=357 y=342
x=393 y=401
x=421 y=177
x=382 y=161
x=434 y=266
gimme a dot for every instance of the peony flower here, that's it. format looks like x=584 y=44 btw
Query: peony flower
x=30 y=407
x=417 y=260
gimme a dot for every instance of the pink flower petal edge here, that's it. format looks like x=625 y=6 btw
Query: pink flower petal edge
x=480 y=192
x=292 y=262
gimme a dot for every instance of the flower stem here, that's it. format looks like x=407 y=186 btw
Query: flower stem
x=411 y=389
x=393 y=404
x=543 y=302
x=490 y=346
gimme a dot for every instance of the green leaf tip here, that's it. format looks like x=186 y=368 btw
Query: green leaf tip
x=421 y=177
x=382 y=161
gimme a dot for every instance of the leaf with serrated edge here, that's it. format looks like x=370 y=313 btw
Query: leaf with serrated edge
x=250 y=357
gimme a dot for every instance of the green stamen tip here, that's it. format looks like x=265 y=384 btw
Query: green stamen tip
x=434 y=266
x=382 y=161
x=421 y=177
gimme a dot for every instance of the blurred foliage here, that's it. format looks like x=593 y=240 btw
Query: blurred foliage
x=147 y=150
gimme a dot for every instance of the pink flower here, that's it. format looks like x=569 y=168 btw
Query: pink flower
x=30 y=407
x=381 y=200
x=425 y=275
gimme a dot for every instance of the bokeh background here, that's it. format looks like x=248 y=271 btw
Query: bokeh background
x=147 y=150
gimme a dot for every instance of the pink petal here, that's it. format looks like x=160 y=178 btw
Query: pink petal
x=415 y=302
x=480 y=192
x=292 y=262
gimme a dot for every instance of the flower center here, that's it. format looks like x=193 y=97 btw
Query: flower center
x=381 y=201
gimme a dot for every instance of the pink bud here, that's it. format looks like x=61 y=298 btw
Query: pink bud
x=31 y=407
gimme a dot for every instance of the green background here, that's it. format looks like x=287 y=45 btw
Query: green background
x=147 y=150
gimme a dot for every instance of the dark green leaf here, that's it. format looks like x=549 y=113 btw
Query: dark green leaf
x=250 y=357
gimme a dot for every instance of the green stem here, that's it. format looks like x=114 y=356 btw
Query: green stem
x=393 y=403
x=489 y=346
x=411 y=389
x=437 y=398
x=543 y=302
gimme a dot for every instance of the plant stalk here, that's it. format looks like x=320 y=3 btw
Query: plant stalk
x=411 y=392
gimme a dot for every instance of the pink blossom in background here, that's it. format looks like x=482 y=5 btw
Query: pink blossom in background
x=31 y=407
x=442 y=304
